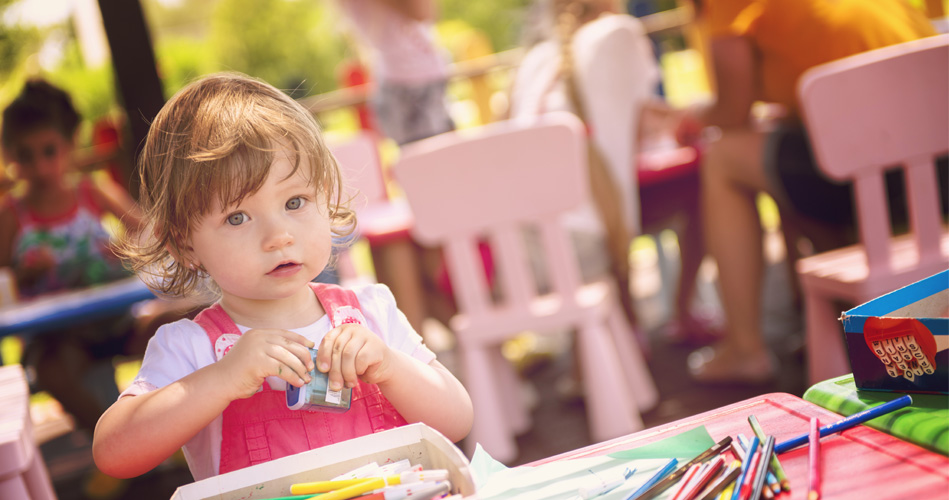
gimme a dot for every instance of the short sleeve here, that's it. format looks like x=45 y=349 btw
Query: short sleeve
x=175 y=351
x=384 y=317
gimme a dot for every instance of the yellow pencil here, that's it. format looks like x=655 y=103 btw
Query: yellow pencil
x=356 y=490
x=405 y=477
x=325 y=486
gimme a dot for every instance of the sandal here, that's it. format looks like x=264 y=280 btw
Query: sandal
x=717 y=365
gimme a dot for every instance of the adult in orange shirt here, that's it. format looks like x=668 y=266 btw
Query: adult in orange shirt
x=758 y=49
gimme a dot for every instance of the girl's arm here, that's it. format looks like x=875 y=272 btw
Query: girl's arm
x=116 y=200
x=139 y=432
x=431 y=394
x=421 y=393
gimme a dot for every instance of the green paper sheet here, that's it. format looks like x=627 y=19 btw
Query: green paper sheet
x=560 y=480
x=684 y=446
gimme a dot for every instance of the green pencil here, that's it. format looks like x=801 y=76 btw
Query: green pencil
x=775 y=464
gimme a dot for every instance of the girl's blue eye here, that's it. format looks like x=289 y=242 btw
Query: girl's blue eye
x=236 y=219
x=294 y=203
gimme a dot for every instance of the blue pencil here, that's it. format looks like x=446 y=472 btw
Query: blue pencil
x=663 y=472
x=745 y=467
x=846 y=423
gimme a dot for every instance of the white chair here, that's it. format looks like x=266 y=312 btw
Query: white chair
x=491 y=183
x=866 y=113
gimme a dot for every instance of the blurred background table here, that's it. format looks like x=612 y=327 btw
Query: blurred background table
x=46 y=313
x=925 y=423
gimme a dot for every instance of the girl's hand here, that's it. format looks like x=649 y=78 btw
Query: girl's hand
x=262 y=353
x=352 y=352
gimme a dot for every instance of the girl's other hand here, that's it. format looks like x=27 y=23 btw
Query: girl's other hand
x=262 y=353
x=352 y=352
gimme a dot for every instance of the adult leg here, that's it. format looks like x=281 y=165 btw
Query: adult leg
x=732 y=176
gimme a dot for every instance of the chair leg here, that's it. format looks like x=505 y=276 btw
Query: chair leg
x=489 y=428
x=826 y=355
x=633 y=362
x=13 y=486
x=37 y=479
x=611 y=410
x=510 y=385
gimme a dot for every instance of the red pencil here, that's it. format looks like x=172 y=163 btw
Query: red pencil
x=706 y=476
x=813 y=460
x=685 y=481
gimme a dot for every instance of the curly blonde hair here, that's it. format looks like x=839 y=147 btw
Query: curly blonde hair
x=217 y=137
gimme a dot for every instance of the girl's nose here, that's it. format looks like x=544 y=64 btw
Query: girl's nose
x=278 y=237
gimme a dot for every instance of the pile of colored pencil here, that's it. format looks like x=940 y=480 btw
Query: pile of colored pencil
x=754 y=471
x=396 y=481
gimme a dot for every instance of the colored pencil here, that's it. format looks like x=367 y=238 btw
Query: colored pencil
x=722 y=484
x=745 y=465
x=704 y=477
x=813 y=461
x=762 y=473
x=769 y=493
x=744 y=490
x=846 y=423
x=775 y=463
x=658 y=476
x=673 y=478
x=727 y=492
x=686 y=480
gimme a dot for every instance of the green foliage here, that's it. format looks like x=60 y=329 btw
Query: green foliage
x=291 y=44
x=182 y=60
x=92 y=89
x=500 y=20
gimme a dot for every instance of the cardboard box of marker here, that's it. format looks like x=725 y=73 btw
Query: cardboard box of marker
x=419 y=443
x=899 y=342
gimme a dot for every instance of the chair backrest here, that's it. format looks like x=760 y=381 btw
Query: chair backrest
x=490 y=183
x=877 y=110
x=359 y=162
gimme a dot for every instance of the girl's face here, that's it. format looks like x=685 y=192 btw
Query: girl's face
x=270 y=245
x=41 y=157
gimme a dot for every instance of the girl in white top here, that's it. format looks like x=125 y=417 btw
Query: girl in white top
x=240 y=191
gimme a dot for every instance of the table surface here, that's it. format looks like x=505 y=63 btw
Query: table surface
x=925 y=423
x=859 y=463
x=54 y=311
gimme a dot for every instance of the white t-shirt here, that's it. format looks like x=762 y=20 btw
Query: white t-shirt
x=183 y=347
x=616 y=72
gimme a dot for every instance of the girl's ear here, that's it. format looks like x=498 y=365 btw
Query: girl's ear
x=183 y=255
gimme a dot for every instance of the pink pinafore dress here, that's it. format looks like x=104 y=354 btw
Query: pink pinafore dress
x=261 y=428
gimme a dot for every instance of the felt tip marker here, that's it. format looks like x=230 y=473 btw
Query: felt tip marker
x=606 y=485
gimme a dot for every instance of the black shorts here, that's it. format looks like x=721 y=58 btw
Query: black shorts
x=791 y=166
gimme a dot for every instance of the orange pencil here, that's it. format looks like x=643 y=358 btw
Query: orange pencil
x=813 y=460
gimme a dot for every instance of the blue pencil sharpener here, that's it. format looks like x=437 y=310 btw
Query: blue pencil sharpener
x=316 y=395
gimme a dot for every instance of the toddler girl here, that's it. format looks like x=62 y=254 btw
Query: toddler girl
x=240 y=193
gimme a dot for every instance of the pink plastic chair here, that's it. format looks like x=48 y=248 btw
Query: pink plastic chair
x=492 y=182
x=383 y=222
x=23 y=474
x=866 y=113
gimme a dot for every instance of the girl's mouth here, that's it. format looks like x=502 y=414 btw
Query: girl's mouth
x=285 y=269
